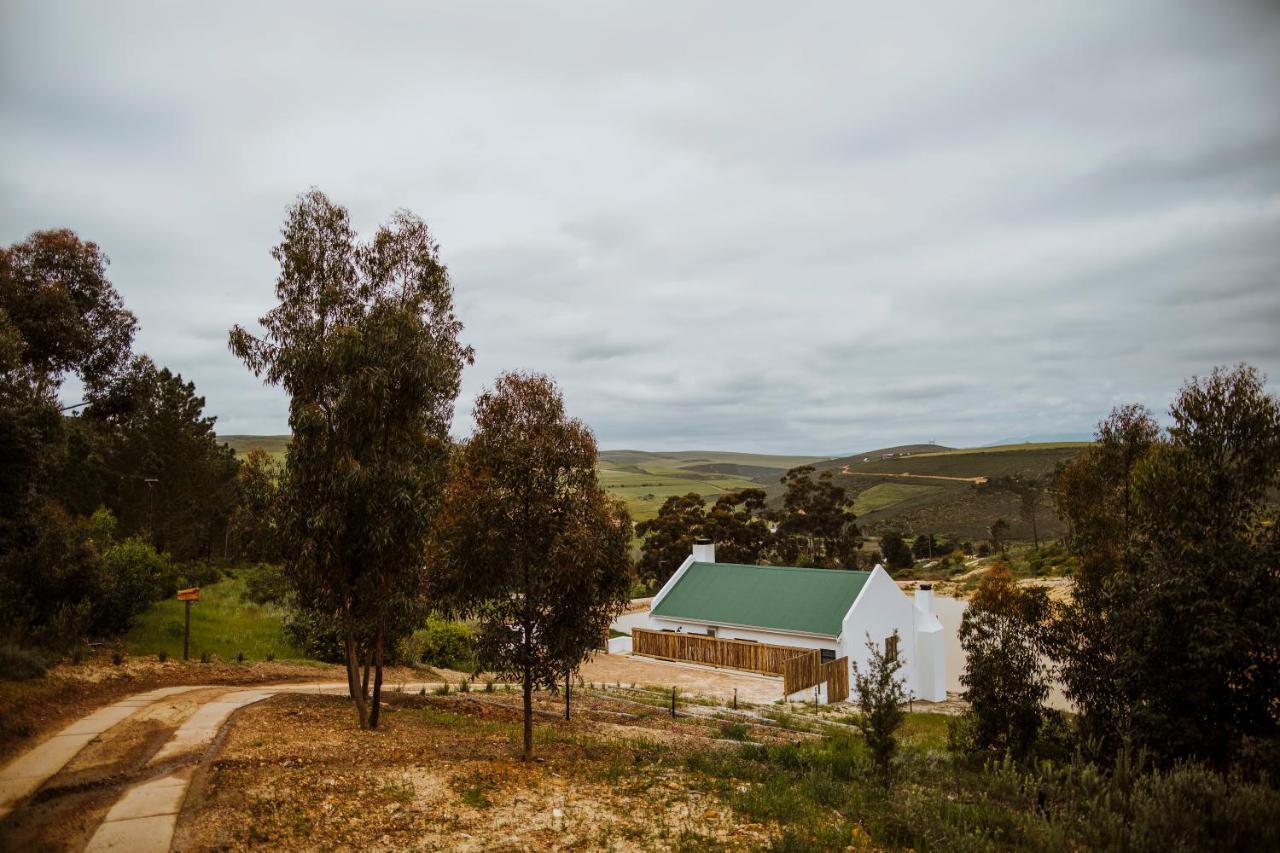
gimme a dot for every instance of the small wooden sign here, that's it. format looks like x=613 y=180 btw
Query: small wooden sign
x=192 y=594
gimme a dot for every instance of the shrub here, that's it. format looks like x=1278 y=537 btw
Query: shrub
x=450 y=645
x=271 y=655
x=239 y=657
x=162 y=656
x=19 y=664
x=132 y=575
x=117 y=658
x=266 y=583
x=880 y=698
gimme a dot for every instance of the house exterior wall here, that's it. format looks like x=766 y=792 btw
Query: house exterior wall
x=725 y=632
x=882 y=607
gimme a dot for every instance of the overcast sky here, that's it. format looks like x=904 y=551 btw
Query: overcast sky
x=798 y=227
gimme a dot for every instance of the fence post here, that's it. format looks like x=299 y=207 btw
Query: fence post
x=735 y=698
x=673 y=700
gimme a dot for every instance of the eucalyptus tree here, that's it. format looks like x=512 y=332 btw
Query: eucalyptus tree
x=364 y=340
x=527 y=540
x=1172 y=636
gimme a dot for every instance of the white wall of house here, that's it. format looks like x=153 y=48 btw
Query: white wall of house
x=757 y=635
x=882 y=607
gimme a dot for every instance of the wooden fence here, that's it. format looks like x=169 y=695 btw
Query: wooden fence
x=695 y=648
x=803 y=670
x=808 y=670
x=836 y=674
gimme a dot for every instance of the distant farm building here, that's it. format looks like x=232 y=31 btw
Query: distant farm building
x=791 y=621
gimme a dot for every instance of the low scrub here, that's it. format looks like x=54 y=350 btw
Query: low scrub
x=20 y=664
x=449 y=645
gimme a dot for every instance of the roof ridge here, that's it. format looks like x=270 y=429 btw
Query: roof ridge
x=787 y=568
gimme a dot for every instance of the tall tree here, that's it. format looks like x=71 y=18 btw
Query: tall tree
x=528 y=542
x=70 y=319
x=251 y=532
x=365 y=342
x=1006 y=679
x=736 y=524
x=999 y=536
x=666 y=540
x=897 y=554
x=1174 y=638
x=816 y=526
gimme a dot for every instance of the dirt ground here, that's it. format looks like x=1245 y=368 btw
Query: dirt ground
x=688 y=678
x=31 y=710
x=444 y=773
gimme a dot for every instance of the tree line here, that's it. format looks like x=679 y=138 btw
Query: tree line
x=1170 y=642
x=108 y=503
x=814 y=526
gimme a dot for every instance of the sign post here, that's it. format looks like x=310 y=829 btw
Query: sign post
x=186 y=596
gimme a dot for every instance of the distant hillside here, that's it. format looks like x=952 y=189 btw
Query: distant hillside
x=645 y=479
x=916 y=488
x=924 y=489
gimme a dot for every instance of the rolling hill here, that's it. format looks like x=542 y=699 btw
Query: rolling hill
x=914 y=488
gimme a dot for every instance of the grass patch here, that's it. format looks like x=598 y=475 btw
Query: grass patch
x=223 y=623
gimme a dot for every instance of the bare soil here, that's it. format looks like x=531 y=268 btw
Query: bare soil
x=687 y=678
x=31 y=710
x=443 y=772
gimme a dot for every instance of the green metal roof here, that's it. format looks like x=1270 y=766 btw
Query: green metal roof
x=781 y=598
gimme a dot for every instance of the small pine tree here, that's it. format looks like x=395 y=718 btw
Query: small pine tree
x=880 y=699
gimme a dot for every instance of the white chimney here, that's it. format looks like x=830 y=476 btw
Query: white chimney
x=924 y=598
x=704 y=550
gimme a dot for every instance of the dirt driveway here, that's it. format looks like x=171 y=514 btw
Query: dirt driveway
x=690 y=678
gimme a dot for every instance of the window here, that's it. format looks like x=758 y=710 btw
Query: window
x=828 y=655
x=711 y=632
x=891 y=647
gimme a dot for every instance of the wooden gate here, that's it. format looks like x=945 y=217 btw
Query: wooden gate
x=808 y=670
x=695 y=648
x=803 y=670
x=836 y=673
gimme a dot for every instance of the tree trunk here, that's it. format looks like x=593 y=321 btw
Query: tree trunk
x=375 y=709
x=528 y=715
x=368 y=664
x=353 y=676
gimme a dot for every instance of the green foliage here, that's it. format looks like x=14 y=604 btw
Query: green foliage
x=897 y=554
x=1006 y=679
x=816 y=526
x=667 y=539
x=364 y=340
x=880 y=697
x=451 y=645
x=133 y=574
x=1172 y=634
x=528 y=542
x=266 y=583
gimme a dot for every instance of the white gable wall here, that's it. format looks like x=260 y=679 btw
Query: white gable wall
x=880 y=608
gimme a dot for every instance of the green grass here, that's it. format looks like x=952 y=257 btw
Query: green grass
x=222 y=624
x=884 y=495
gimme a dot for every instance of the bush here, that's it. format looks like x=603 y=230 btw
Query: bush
x=133 y=574
x=19 y=664
x=266 y=584
x=450 y=645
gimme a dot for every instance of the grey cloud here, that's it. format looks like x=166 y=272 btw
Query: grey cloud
x=816 y=232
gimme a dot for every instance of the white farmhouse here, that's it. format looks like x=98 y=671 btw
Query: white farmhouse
x=830 y=610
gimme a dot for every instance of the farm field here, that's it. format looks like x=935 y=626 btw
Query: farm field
x=644 y=480
x=885 y=496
